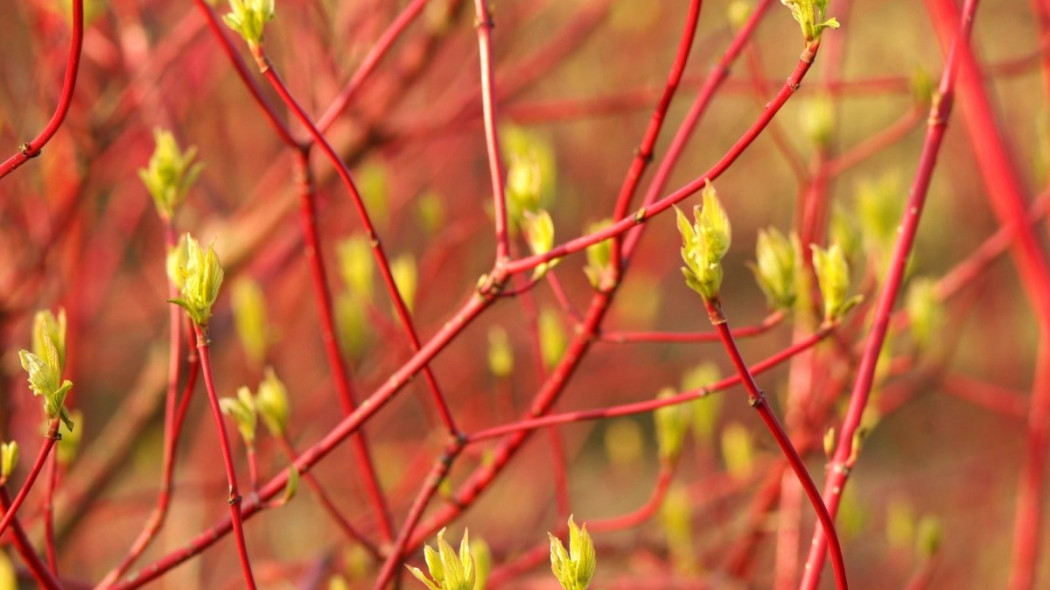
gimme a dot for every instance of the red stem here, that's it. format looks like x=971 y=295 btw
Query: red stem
x=336 y=362
x=757 y=399
x=50 y=438
x=370 y=62
x=49 y=514
x=688 y=125
x=377 y=247
x=430 y=486
x=44 y=578
x=219 y=32
x=648 y=405
x=646 y=213
x=174 y=413
x=845 y=453
x=770 y=322
x=234 y=498
x=32 y=148
x=347 y=427
x=483 y=23
x=326 y=501
x=644 y=154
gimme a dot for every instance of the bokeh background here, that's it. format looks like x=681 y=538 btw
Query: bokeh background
x=576 y=82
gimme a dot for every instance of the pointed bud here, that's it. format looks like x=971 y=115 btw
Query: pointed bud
x=599 y=269
x=671 y=425
x=249 y=314
x=818 y=120
x=704 y=243
x=573 y=568
x=810 y=15
x=49 y=338
x=170 y=173
x=539 y=231
x=242 y=410
x=406 y=277
x=925 y=311
x=552 y=338
x=248 y=18
x=8 y=459
x=775 y=267
x=501 y=355
x=448 y=569
x=271 y=402
x=738 y=451
x=199 y=275
x=833 y=277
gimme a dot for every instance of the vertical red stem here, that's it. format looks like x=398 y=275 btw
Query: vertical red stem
x=234 y=498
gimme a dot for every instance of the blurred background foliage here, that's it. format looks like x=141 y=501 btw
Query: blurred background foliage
x=575 y=85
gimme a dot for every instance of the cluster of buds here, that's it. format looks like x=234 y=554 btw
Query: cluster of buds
x=248 y=18
x=170 y=173
x=704 y=243
x=467 y=569
x=270 y=403
x=811 y=16
x=448 y=569
x=197 y=274
x=46 y=363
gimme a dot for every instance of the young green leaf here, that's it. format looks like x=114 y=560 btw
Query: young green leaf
x=170 y=173
x=599 y=269
x=448 y=569
x=242 y=410
x=573 y=568
x=249 y=314
x=271 y=403
x=704 y=243
x=810 y=15
x=248 y=18
x=776 y=266
x=198 y=275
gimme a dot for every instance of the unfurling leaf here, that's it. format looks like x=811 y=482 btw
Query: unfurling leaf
x=573 y=568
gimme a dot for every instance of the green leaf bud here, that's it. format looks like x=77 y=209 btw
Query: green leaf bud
x=671 y=425
x=49 y=338
x=501 y=354
x=249 y=314
x=704 y=243
x=818 y=119
x=198 y=275
x=356 y=266
x=248 y=18
x=46 y=381
x=599 y=269
x=406 y=278
x=482 y=555
x=271 y=403
x=552 y=338
x=738 y=11
x=833 y=277
x=928 y=537
x=448 y=569
x=430 y=210
x=810 y=15
x=8 y=459
x=539 y=232
x=776 y=266
x=573 y=568
x=925 y=310
x=242 y=410
x=738 y=450
x=169 y=174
